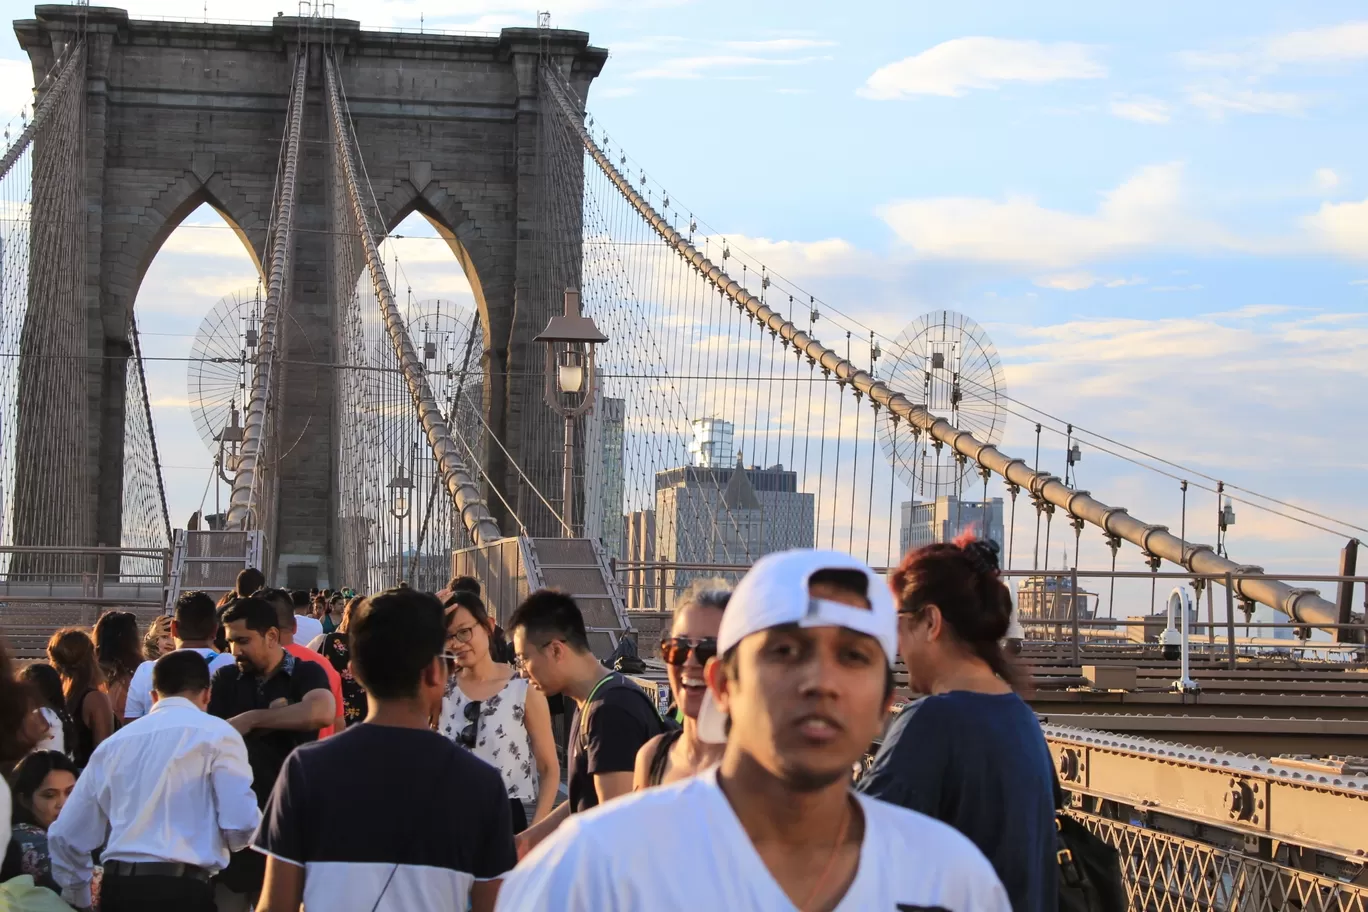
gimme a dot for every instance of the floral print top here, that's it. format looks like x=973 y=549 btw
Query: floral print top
x=501 y=737
x=354 y=703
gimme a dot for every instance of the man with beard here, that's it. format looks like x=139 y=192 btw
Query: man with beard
x=799 y=689
x=277 y=703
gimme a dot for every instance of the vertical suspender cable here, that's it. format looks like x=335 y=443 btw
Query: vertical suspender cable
x=464 y=491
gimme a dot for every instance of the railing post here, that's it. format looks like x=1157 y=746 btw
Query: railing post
x=1230 y=622
x=1073 y=611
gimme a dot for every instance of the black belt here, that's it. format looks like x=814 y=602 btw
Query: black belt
x=156 y=869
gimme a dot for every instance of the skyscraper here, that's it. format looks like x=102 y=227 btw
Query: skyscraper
x=604 y=482
x=945 y=518
x=731 y=515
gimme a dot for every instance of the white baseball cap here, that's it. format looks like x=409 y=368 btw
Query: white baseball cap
x=775 y=592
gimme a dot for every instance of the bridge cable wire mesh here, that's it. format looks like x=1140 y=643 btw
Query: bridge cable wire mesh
x=251 y=503
x=385 y=392
x=49 y=492
x=1302 y=605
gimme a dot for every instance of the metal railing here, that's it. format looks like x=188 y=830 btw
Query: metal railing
x=1078 y=625
x=1167 y=873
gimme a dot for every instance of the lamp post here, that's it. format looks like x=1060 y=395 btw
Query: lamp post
x=571 y=341
x=400 y=489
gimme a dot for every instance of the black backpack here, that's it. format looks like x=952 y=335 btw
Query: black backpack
x=1089 y=869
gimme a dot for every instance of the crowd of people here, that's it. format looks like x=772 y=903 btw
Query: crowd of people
x=271 y=749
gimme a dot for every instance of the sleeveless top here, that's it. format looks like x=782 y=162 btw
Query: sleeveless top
x=85 y=736
x=501 y=737
x=356 y=705
x=656 y=774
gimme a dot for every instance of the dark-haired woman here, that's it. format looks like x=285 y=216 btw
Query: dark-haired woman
x=46 y=685
x=969 y=753
x=494 y=713
x=118 y=646
x=42 y=783
x=72 y=653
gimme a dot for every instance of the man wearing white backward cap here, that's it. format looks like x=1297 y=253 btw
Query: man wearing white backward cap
x=803 y=683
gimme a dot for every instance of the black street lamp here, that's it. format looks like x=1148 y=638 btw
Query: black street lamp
x=571 y=341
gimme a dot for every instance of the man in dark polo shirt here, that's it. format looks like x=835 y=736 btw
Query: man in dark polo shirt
x=277 y=703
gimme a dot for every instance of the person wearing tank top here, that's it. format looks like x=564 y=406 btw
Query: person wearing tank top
x=679 y=754
x=493 y=713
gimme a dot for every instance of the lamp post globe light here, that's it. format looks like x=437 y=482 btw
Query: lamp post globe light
x=571 y=343
x=401 y=505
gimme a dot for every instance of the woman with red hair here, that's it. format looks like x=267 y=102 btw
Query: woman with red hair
x=970 y=752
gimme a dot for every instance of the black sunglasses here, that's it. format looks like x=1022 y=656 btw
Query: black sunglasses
x=471 y=732
x=675 y=650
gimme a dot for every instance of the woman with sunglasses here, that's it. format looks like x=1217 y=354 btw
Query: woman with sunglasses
x=491 y=711
x=680 y=754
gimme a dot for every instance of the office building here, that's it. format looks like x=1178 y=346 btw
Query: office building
x=945 y=518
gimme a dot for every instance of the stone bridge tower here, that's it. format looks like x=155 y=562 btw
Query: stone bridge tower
x=184 y=113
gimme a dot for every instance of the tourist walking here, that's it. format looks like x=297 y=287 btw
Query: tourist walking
x=72 y=653
x=971 y=752
x=388 y=816
x=43 y=782
x=680 y=753
x=492 y=711
x=158 y=640
x=192 y=627
x=118 y=646
x=288 y=625
x=49 y=702
x=613 y=717
x=334 y=649
x=249 y=580
x=307 y=627
x=166 y=798
x=804 y=683
x=277 y=703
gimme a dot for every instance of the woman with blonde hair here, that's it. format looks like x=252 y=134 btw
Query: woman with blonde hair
x=680 y=754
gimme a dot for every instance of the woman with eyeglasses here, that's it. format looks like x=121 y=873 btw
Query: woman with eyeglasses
x=680 y=754
x=493 y=712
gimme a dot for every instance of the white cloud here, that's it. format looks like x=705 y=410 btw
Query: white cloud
x=1326 y=179
x=1344 y=42
x=956 y=66
x=16 y=91
x=777 y=44
x=1141 y=109
x=1122 y=283
x=1341 y=228
x=1220 y=102
x=697 y=67
x=1068 y=281
x=1359 y=282
x=1146 y=212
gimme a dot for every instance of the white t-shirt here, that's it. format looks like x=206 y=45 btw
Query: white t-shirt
x=55 y=739
x=306 y=629
x=139 y=701
x=680 y=848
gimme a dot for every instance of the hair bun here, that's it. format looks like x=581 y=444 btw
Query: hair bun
x=983 y=555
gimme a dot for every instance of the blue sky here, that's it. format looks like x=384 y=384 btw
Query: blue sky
x=1158 y=211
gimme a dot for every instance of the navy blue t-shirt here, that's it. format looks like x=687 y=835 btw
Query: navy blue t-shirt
x=979 y=763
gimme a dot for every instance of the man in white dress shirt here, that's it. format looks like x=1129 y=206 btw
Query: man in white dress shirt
x=168 y=798
x=800 y=688
x=192 y=627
